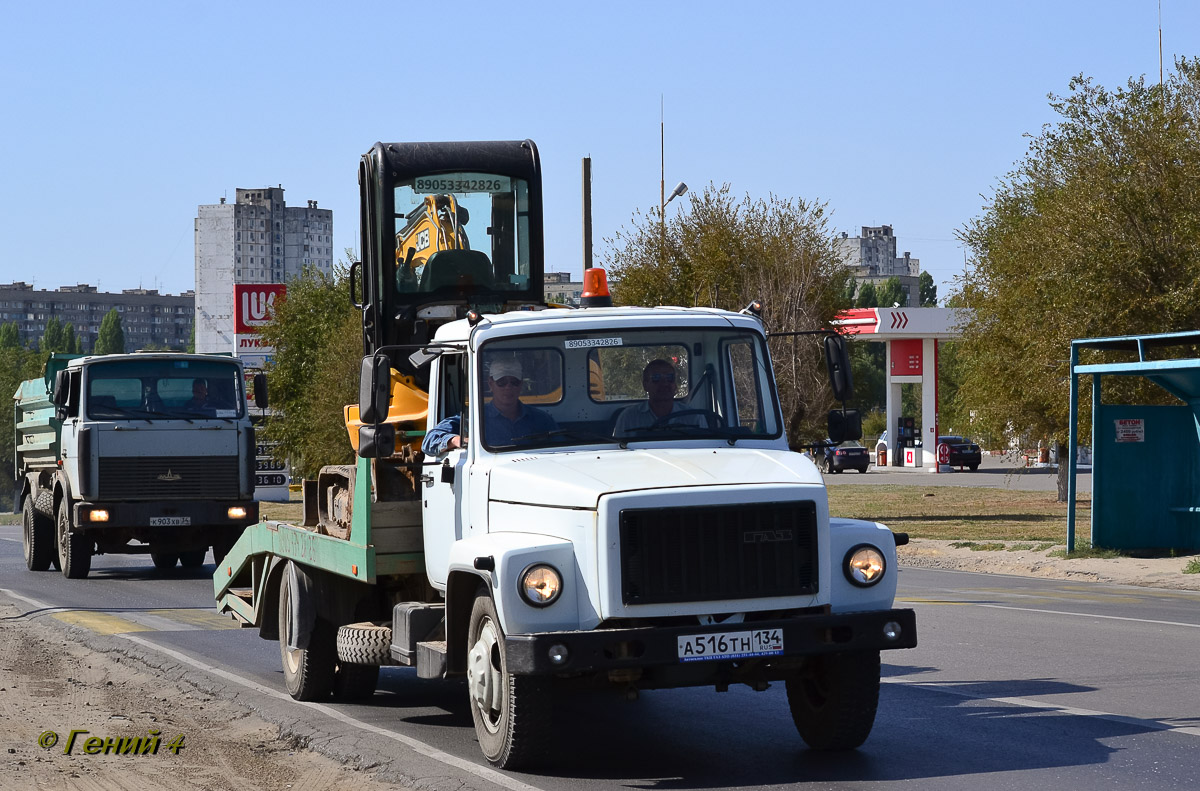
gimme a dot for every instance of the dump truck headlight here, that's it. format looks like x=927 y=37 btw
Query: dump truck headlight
x=97 y=515
x=864 y=565
x=540 y=585
x=236 y=512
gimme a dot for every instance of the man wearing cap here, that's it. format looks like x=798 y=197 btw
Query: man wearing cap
x=658 y=380
x=505 y=418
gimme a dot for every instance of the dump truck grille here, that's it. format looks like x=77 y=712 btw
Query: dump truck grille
x=713 y=553
x=168 y=477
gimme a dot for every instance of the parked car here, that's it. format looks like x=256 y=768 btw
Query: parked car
x=850 y=455
x=963 y=452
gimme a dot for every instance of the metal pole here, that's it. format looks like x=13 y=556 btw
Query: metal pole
x=662 y=164
x=1072 y=443
x=587 y=213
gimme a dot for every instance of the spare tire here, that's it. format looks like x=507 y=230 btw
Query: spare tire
x=365 y=644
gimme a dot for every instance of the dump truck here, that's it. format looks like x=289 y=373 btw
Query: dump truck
x=605 y=496
x=133 y=453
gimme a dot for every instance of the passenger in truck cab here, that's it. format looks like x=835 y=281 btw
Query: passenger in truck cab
x=505 y=419
x=658 y=380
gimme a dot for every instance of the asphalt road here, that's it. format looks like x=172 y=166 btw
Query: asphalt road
x=996 y=471
x=1017 y=683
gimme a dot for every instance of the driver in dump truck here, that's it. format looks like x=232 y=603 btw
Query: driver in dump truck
x=658 y=380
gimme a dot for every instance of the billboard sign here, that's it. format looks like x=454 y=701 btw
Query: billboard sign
x=254 y=307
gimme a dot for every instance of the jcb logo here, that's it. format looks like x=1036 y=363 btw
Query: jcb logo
x=422 y=240
x=766 y=536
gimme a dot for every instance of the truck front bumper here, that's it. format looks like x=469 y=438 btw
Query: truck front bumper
x=167 y=515
x=650 y=647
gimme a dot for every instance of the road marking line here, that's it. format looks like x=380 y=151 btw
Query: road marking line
x=915 y=600
x=100 y=622
x=1091 y=615
x=483 y=772
x=949 y=689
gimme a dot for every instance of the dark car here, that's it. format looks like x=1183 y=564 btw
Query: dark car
x=850 y=455
x=963 y=452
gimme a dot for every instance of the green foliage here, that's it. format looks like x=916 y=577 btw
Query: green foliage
x=721 y=252
x=111 y=338
x=52 y=337
x=1096 y=232
x=891 y=293
x=928 y=290
x=10 y=335
x=1192 y=567
x=867 y=297
x=317 y=335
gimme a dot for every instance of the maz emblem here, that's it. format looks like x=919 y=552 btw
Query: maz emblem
x=170 y=476
x=766 y=536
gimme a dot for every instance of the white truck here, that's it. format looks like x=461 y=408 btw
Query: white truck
x=134 y=453
x=559 y=535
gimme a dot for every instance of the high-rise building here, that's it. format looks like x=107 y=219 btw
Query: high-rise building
x=148 y=319
x=872 y=258
x=256 y=239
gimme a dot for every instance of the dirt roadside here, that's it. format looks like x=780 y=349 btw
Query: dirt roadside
x=52 y=681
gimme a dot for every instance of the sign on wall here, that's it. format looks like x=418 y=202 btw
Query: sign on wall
x=254 y=307
x=1131 y=430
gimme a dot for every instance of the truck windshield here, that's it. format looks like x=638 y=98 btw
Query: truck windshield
x=457 y=231
x=151 y=389
x=628 y=386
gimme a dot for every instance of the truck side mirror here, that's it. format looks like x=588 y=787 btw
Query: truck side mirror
x=837 y=361
x=260 y=390
x=62 y=388
x=377 y=441
x=844 y=424
x=374 y=385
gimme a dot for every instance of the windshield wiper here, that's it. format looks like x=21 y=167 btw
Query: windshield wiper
x=562 y=432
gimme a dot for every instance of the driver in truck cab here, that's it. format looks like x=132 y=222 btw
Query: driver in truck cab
x=505 y=418
x=658 y=380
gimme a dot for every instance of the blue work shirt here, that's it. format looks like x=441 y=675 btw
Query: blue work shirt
x=497 y=429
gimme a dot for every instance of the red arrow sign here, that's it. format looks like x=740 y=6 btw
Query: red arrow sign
x=899 y=320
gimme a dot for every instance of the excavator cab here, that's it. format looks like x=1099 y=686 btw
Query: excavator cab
x=446 y=227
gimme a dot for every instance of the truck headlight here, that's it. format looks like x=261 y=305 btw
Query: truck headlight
x=236 y=512
x=540 y=585
x=864 y=565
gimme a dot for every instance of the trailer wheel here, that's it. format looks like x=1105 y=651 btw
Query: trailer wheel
x=307 y=672
x=74 y=549
x=511 y=713
x=192 y=559
x=833 y=699
x=164 y=561
x=37 y=537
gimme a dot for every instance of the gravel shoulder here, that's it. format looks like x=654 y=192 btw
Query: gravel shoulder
x=1165 y=572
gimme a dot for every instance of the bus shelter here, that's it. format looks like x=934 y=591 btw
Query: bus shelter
x=1145 y=457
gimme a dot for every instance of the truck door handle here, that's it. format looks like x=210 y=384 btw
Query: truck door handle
x=447 y=472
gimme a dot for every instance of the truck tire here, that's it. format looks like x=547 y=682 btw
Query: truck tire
x=37 y=537
x=307 y=672
x=511 y=713
x=833 y=699
x=355 y=682
x=74 y=549
x=164 y=561
x=193 y=559
x=364 y=644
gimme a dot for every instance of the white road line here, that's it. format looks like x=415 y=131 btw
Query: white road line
x=483 y=772
x=1089 y=615
x=1038 y=704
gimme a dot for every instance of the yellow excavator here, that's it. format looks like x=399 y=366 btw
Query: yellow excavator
x=435 y=225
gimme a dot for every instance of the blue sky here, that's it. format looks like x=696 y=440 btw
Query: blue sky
x=120 y=118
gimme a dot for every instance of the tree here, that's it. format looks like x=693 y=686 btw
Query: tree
x=721 y=252
x=16 y=365
x=10 y=335
x=928 y=290
x=891 y=294
x=52 y=336
x=69 y=341
x=867 y=298
x=111 y=338
x=1095 y=232
x=317 y=336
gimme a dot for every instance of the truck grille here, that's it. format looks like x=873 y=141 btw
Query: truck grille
x=713 y=553
x=168 y=477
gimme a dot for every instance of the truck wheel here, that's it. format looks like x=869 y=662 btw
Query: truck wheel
x=192 y=559
x=164 y=561
x=364 y=644
x=74 y=549
x=833 y=699
x=511 y=713
x=355 y=682
x=307 y=672
x=37 y=537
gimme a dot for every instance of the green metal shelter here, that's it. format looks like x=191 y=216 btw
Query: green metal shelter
x=1145 y=458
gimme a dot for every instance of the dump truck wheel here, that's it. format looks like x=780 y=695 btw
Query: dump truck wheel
x=164 y=561
x=307 y=672
x=511 y=713
x=833 y=699
x=355 y=682
x=37 y=537
x=192 y=559
x=74 y=549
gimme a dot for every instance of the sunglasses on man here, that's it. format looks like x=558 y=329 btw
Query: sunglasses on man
x=662 y=377
x=507 y=381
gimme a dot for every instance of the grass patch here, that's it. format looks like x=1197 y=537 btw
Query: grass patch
x=975 y=546
x=961 y=513
x=1192 y=567
x=1083 y=549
